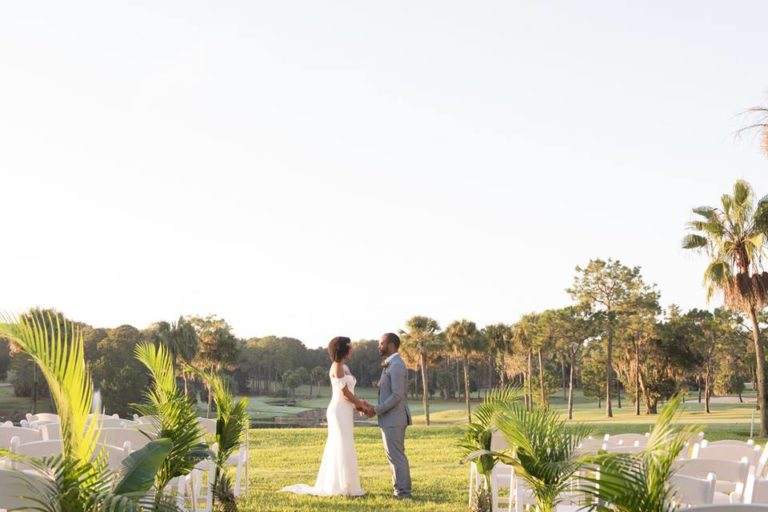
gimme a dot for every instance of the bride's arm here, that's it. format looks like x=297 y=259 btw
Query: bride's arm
x=338 y=371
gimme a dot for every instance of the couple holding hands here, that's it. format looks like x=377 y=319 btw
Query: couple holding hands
x=339 y=474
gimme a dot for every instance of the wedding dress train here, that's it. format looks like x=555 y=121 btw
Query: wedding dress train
x=339 y=474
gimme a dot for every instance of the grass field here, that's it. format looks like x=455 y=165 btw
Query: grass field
x=281 y=457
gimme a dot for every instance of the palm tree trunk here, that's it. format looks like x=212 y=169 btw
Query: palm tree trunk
x=466 y=388
x=541 y=381
x=530 y=380
x=491 y=365
x=570 y=391
x=424 y=383
x=761 y=375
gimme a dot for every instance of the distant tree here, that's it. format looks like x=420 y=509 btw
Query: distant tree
x=498 y=338
x=524 y=334
x=733 y=237
x=463 y=338
x=365 y=362
x=5 y=357
x=317 y=376
x=574 y=326
x=303 y=375
x=610 y=288
x=422 y=339
x=593 y=371
x=182 y=341
x=117 y=374
x=445 y=383
x=218 y=347
x=291 y=380
x=91 y=338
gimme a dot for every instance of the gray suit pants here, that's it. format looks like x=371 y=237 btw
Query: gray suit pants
x=394 y=445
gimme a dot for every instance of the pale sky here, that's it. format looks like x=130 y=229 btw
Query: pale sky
x=317 y=168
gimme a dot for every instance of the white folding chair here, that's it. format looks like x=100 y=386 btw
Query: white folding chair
x=620 y=448
x=46 y=417
x=118 y=437
x=591 y=446
x=114 y=455
x=208 y=425
x=628 y=440
x=50 y=431
x=756 y=491
x=731 y=476
x=36 y=449
x=728 y=452
x=25 y=435
x=20 y=490
x=691 y=491
x=109 y=422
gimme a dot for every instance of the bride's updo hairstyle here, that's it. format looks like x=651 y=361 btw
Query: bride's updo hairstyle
x=339 y=348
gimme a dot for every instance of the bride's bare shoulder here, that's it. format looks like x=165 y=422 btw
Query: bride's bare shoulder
x=337 y=370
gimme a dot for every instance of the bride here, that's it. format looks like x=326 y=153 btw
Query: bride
x=339 y=474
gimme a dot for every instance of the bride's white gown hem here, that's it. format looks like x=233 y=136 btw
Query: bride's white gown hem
x=339 y=474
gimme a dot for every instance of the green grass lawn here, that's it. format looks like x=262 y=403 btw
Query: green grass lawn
x=281 y=457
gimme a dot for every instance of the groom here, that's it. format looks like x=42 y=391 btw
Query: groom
x=393 y=413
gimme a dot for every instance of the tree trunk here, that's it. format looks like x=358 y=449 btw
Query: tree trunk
x=618 y=393
x=458 y=381
x=466 y=388
x=637 y=378
x=425 y=384
x=707 y=390
x=562 y=371
x=609 y=368
x=208 y=413
x=502 y=372
x=761 y=375
x=530 y=380
x=34 y=387
x=698 y=386
x=645 y=394
x=541 y=382
x=570 y=390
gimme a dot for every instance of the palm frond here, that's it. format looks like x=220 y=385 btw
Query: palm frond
x=56 y=346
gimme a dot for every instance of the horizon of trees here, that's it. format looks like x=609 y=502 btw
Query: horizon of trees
x=653 y=353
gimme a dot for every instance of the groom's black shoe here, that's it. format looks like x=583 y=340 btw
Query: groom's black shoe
x=402 y=496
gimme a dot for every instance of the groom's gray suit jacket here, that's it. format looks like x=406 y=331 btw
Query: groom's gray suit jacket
x=392 y=409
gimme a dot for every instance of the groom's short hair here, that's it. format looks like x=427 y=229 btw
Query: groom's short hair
x=391 y=337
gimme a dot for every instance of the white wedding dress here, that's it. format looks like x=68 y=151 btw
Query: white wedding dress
x=339 y=474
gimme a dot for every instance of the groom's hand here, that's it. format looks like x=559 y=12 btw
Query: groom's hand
x=371 y=412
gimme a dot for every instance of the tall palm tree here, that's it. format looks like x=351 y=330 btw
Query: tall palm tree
x=760 y=124
x=498 y=337
x=463 y=338
x=422 y=337
x=733 y=237
x=523 y=333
